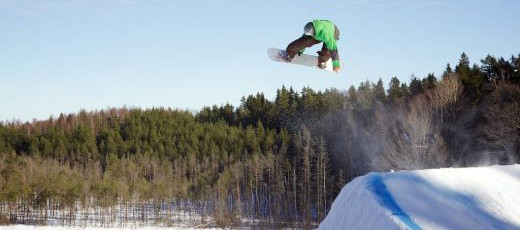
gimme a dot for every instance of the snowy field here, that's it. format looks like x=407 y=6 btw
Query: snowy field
x=462 y=198
x=25 y=227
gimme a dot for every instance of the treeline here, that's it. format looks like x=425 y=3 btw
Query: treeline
x=275 y=162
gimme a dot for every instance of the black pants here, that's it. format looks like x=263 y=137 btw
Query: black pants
x=306 y=42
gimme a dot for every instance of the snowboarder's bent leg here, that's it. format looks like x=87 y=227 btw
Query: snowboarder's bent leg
x=324 y=54
x=299 y=44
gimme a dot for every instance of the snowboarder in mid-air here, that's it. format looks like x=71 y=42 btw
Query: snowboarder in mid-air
x=315 y=32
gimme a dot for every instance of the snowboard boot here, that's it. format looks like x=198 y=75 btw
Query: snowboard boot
x=285 y=56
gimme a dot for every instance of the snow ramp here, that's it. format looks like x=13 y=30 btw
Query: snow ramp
x=449 y=198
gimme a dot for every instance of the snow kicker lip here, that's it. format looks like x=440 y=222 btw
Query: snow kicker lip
x=445 y=198
x=385 y=199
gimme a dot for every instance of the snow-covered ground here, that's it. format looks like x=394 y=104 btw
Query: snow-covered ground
x=151 y=215
x=30 y=227
x=462 y=198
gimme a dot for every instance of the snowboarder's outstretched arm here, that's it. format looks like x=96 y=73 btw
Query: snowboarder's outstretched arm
x=325 y=54
x=336 y=65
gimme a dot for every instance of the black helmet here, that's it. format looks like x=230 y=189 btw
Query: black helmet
x=308 y=29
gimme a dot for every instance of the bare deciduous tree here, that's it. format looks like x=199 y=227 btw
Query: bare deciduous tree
x=412 y=140
x=446 y=94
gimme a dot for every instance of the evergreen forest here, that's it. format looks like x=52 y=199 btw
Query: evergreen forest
x=266 y=162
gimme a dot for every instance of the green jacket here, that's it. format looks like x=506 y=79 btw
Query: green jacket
x=324 y=31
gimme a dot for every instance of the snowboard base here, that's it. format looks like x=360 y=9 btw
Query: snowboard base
x=303 y=59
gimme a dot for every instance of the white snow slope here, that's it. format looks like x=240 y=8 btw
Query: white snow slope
x=462 y=198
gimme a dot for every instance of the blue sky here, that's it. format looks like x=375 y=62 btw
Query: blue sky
x=66 y=55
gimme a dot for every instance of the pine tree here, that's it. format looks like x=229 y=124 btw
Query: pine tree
x=379 y=91
x=490 y=68
x=305 y=152
x=404 y=90
x=415 y=86
x=429 y=82
x=448 y=70
x=394 y=90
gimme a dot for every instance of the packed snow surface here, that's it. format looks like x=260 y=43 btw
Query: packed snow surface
x=450 y=198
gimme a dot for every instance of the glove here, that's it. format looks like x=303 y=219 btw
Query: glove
x=336 y=69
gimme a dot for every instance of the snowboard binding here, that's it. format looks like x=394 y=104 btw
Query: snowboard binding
x=284 y=56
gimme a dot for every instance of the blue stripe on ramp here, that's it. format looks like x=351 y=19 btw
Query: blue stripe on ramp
x=385 y=199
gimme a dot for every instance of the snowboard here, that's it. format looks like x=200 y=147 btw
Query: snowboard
x=303 y=59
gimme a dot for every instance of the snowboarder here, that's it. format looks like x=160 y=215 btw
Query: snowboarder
x=315 y=32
